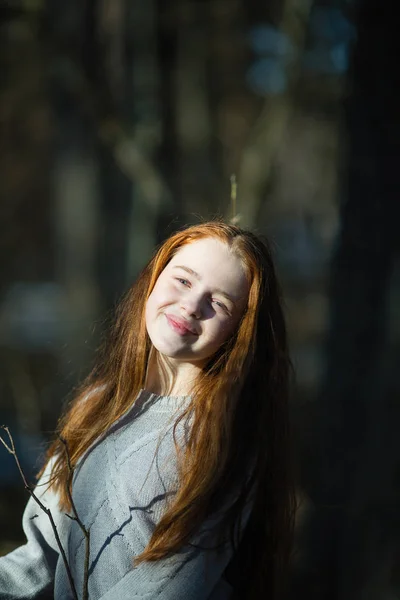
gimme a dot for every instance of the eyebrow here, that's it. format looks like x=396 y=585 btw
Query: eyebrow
x=195 y=274
x=188 y=270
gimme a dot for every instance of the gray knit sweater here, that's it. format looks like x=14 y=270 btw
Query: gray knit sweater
x=120 y=489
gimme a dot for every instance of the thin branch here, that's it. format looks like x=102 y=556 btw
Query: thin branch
x=233 y=194
x=235 y=219
x=86 y=532
x=11 y=449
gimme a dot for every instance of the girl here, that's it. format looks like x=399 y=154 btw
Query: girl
x=178 y=440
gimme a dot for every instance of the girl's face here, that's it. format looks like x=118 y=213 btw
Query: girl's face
x=197 y=301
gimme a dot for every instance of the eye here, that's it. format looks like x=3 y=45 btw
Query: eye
x=184 y=282
x=220 y=305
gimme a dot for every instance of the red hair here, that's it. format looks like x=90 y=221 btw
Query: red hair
x=238 y=413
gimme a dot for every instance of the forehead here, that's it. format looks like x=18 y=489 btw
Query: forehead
x=214 y=262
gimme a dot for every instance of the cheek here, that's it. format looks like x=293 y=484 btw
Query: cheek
x=161 y=295
x=223 y=331
x=152 y=304
x=149 y=307
x=227 y=328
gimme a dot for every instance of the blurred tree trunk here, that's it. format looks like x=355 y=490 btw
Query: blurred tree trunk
x=265 y=137
x=135 y=193
x=106 y=73
x=193 y=124
x=171 y=215
x=353 y=529
x=75 y=189
x=145 y=122
x=234 y=108
x=76 y=227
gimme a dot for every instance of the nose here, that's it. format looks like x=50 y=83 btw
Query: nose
x=192 y=305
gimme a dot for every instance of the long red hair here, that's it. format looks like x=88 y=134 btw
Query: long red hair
x=238 y=419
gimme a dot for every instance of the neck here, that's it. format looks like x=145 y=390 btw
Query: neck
x=166 y=376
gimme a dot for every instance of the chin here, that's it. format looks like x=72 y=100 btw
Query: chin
x=166 y=349
x=176 y=354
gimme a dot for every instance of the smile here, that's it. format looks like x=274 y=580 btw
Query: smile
x=178 y=325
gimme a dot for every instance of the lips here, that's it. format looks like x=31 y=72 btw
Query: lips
x=180 y=325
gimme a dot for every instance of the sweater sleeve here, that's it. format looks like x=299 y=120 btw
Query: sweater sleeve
x=198 y=577
x=28 y=571
x=193 y=574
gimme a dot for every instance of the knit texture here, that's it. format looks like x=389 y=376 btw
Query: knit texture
x=120 y=489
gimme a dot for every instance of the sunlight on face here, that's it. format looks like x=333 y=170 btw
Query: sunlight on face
x=197 y=301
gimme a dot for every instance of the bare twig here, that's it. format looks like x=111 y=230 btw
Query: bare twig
x=233 y=194
x=235 y=217
x=86 y=532
x=10 y=447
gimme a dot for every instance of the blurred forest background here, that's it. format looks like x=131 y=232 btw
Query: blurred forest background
x=121 y=121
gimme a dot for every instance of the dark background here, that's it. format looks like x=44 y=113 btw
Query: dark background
x=122 y=120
